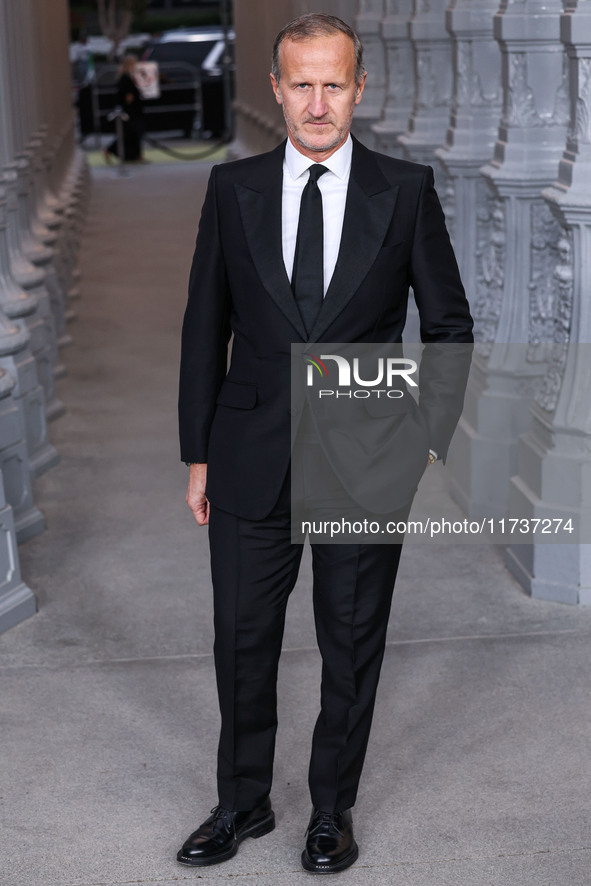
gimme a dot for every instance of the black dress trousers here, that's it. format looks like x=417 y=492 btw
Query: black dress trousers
x=254 y=569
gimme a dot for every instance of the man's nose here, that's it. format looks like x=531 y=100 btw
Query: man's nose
x=318 y=106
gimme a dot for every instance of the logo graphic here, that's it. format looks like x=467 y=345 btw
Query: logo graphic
x=314 y=363
x=387 y=371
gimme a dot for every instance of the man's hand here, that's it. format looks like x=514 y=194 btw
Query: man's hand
x=196 y=493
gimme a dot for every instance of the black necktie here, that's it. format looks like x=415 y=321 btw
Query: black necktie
x=308 y=267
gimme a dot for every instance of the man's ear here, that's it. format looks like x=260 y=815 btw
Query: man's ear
x=360 y=88
x=276 y=90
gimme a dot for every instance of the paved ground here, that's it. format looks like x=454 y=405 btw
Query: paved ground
x=478 y=772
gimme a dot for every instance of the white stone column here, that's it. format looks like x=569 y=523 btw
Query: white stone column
x=400 y=85
x=433 y=85
x=368 y=24
x=515 y=299
x=554 y=464
x=475 y=112
x=28 y=301
x=17 y=601
x=65 y=183
x=21 y=245
x=47 y=213
x=43 y=183
x=61 y=184
x=24 y=447
x=15 y=437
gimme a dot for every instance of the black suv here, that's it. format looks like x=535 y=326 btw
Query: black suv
x=191 y=86
x=202 y=49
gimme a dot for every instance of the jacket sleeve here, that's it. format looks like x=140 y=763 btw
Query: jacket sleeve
x=434 y=275
x=206 y=332
x=446 y=323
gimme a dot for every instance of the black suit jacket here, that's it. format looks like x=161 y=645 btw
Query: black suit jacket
x=394 y=236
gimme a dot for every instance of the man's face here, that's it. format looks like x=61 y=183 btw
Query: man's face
x=317 y=92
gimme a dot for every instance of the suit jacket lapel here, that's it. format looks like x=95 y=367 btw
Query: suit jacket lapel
x=368 y=213
x=259 y=199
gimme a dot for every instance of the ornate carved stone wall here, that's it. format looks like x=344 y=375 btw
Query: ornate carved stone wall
x=516 y=189
x=554 y=465
x=496 y=95
x=368 y=24
x=43 y=186
x=399 y=91
x=471 y=134
x=516 y=252
x=432 y=49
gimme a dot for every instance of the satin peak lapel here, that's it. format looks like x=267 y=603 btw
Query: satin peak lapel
x=368 y=212
x=259 y=199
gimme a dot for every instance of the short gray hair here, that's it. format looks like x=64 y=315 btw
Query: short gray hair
x=317 y=24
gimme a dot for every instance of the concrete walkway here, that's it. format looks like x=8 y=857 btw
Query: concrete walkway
x=479 y=767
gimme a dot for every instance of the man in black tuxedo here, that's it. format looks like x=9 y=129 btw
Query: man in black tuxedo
x=381 y=230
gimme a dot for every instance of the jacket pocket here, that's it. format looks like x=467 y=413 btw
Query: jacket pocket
x=237 y=395
x=391 y=244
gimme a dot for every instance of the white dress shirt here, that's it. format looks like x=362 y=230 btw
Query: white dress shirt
x=333 y=187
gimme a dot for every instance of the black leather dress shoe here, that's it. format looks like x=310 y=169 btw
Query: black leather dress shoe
x=220 y=835
x=330 y=846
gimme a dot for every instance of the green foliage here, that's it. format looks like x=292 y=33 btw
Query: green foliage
x=84 y=18
x=138 y=7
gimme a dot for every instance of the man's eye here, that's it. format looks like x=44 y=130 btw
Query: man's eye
x=302 y=85
x=333 y=86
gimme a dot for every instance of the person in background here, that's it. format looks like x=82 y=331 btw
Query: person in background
x=129 y=98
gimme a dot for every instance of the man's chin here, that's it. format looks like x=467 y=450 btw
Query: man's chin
x=319 y=145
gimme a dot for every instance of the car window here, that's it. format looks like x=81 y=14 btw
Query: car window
x=215 y=56
x=193 y=53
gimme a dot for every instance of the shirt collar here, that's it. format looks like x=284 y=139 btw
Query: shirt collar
x=339 y=162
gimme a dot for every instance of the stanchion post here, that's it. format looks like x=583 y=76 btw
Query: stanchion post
x=120 y=144
x=96 y=116
x=119 y=116
x=226 y=74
